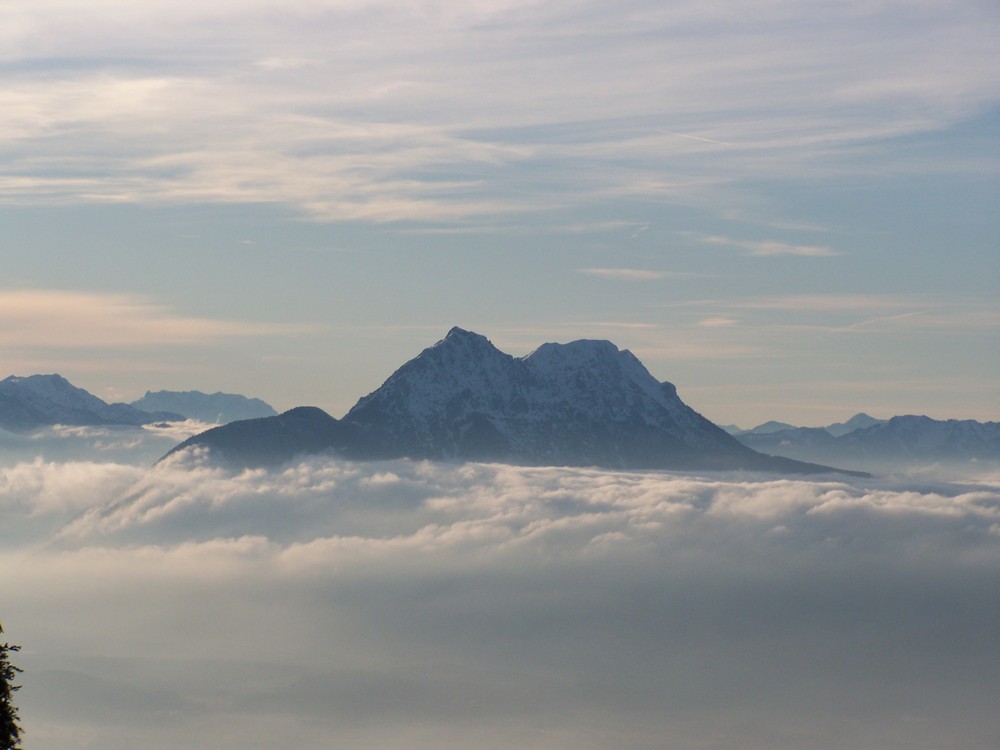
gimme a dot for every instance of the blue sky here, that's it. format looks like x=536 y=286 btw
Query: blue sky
x=788 y=209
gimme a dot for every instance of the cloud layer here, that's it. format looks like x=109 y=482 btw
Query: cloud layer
x=488 y=606
x=379 y=112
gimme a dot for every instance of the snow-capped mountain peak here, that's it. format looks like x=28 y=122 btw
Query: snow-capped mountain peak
x=597 y=367
x=55 y=397
x=54 y=389
x=580 y=399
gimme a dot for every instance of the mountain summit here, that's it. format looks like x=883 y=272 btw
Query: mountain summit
x=585 y=403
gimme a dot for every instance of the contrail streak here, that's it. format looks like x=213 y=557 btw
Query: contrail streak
x=693 y=137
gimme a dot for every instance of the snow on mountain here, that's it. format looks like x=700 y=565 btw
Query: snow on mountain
x=582 y=403
x=608 y=385
x=461 y=375
x=214 y=408
x=51 y=392
x=38 y=400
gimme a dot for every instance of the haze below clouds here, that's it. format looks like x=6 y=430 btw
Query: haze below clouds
x=418 y=605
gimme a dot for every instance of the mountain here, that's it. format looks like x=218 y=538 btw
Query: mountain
x=857 y=422
x=771 y=426
x=40 y=400
x=924 y=439
x=840 y=428
x=217 y=408
x=900 y=441
x=582 y=403
x=304 y=430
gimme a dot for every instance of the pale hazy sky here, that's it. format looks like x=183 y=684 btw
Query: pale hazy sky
x=786 y=208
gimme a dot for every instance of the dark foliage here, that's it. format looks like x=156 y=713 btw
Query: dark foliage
x=10 y=726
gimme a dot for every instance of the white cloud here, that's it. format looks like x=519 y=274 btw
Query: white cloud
x=45 y=487
x=428 y=506
x=484 y=606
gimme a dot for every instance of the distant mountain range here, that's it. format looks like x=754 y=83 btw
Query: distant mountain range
x=856 y=422
x=41 y=400
x=869 y=442
x=582 y=403
x=215 y=408
x=27 y=403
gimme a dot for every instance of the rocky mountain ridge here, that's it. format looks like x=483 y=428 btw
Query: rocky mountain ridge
x=581 y=403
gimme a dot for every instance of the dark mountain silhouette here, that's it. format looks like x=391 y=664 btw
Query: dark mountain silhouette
x=267 y=441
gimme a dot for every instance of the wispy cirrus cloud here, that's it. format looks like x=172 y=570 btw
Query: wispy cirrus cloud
x=54 y=319
x=769 y=247
x=368 y=111
x=871 y=311
x=718 y=322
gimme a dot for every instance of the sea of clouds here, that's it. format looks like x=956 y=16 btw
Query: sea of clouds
x=425 y=605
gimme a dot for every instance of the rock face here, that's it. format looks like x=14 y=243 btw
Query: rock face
x=582 y=403
x=40 y=400
x=218 y=408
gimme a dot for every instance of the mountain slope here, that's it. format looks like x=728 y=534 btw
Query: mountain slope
x=582 y=403
x=275 y=440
